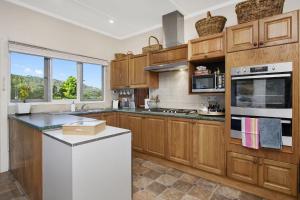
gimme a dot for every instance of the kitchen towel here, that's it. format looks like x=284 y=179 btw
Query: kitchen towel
x=270 y=130
x=250 y=132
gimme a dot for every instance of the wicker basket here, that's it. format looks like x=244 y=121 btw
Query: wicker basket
x=210 y=25
x=119 y=55
x=257 y=9
x=153 y=47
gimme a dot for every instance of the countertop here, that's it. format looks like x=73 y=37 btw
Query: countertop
x=46 y=121
x=75 y=140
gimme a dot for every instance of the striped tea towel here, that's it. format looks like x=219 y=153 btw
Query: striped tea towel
x=250 y=133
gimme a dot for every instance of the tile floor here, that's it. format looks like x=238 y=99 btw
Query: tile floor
x=156 y=182
x=153 y=182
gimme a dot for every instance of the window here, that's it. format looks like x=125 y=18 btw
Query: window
x=55 y=79
x=28 y=70
x=64 y=79
x=92 y=82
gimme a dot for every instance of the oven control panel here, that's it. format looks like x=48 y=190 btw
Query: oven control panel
x=262 y=69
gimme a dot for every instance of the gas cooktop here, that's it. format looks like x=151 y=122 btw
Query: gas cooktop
x=174 y=111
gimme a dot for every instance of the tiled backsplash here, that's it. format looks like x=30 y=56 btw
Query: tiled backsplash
x=173 y=92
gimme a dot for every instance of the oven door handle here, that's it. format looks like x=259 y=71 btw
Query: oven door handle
x=260 y=76
x=282 y=121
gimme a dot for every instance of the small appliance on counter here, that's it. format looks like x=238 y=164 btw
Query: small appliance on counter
x=115 y=104
x=204 y=80
x=212 y=109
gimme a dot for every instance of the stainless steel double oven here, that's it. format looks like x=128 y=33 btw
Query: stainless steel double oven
x=262 y=91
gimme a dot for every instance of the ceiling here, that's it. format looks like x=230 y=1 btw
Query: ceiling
x=129 y=17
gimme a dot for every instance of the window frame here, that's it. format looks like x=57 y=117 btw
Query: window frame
x=48 y=83
x=81 y=83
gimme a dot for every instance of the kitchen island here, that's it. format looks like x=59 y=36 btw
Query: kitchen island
x=44 y=161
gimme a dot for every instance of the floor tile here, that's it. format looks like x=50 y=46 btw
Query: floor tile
x=182 y=186
x=189 y=178
x=155 y=167
x=188 y=197
x=140 y=170
x=226 y=193
x=171 y=194
x=201 y=192
x=143 y=195
x=152 y=174
x=174 y=172
x=247 y=196
x=156 y=188
x=142 y=182
x=166 y=179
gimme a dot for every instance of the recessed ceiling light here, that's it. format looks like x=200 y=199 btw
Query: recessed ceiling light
x=111 y=21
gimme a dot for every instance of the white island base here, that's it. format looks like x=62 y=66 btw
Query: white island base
x=87 y=167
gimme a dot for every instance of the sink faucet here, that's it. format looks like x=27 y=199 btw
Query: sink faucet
x=83 y=106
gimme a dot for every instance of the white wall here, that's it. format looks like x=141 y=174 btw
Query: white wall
x=23 y=25
x=173 y=86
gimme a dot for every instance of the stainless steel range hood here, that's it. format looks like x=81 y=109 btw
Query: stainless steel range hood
x=173 y=27
x=168 y=67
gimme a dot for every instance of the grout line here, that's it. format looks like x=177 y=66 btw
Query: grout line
x=212 y=194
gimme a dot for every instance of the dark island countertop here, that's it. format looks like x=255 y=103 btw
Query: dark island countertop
x=46 y=121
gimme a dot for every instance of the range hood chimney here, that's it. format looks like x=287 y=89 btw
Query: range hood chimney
x=173 y=27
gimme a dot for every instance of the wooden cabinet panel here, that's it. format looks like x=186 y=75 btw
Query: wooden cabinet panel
x=278 y=176
x=119 y=73
x=242 y=37
x=110 y=118
x=207 y=47
x=135 y=125
x=208 y=147
x=242 y=167
x=279 y=29
x=26 y=155
x=154 y=135
x=159 y=58
x=178 y=54
x=179 y=141
x=138 y=77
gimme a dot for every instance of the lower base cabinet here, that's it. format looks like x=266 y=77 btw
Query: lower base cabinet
x=180 y=141
x=270 y=174
x=208 y=147
x=154 y=135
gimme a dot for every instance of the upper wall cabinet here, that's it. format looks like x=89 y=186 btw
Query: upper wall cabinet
x=119 y=73
x=207 y=47
x=275 y=30
x=169 y=55
x=138 y=77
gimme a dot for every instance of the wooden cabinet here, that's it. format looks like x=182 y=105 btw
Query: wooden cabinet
x=169 y=55
x=154 y=135
x=26 y=158
x=278 y=176
x=279 y=29
x=179 y=141
x=242 y=167
x=138 y=77
x=120 y=73
x=270 y=174
x=110 y=118
x=275 y=30
x=208 y=147
x=242 y=37
x=207 y=47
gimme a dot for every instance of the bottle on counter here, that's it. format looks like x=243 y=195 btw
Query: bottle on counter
x=73 y=107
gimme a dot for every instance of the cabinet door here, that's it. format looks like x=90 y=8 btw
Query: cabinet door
x=279 y=29
x=278 y=176
x=208 y=147
x=135 y=125
x=154 y=132
x=179 y=141
x=242 y=167
x=159 y=57
x=124 y=75
x=207 y=47
x=242 y=37
x=178 y=54
x=110 y=118
x=138 y=76
x=114 y=74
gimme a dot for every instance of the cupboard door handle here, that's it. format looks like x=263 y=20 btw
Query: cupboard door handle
x=255 y=44
x=261 y=43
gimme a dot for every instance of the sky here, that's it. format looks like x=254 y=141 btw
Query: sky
x=25 y=65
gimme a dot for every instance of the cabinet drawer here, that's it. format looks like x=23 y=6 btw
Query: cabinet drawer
x=278 y=176
x=242 y=167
